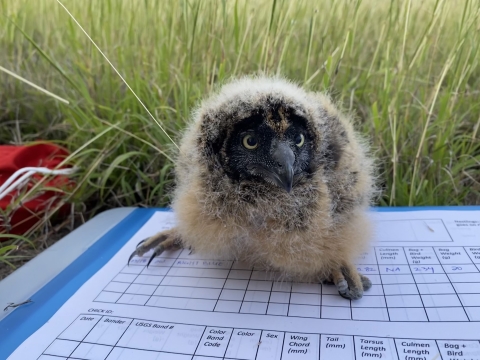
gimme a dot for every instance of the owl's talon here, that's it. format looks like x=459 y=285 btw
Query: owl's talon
x=152 y=257
x=131 y=256
x=165 y=240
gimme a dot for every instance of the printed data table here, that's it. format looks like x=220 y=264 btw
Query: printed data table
x=424 y=302
x=409 y=284
x=112 y=338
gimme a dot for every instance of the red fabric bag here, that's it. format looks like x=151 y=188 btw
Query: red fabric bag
x=14 y=158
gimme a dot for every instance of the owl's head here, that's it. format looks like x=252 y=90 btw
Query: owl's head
x=264 y=131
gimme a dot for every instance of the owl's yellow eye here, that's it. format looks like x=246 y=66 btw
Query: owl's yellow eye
x=250 y=142
x=299 y=140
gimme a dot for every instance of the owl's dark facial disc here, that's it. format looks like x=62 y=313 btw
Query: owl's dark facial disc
x=261 y=149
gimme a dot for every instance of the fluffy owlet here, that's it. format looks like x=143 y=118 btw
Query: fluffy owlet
x=276 y=176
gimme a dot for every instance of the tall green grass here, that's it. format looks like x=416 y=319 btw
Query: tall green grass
x=407 y=69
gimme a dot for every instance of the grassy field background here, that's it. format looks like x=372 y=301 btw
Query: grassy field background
x=408 y=70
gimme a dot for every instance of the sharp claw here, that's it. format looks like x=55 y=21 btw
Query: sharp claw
x=141 y=242
x=151 y=258
x=131 y=256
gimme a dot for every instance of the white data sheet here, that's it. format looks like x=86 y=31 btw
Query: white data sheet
x=424 y=303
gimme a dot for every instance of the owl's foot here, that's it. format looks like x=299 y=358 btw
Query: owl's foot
x=164 y=240
x=350 y=284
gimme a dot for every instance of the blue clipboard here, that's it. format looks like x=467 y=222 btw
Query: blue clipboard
x=122 y=224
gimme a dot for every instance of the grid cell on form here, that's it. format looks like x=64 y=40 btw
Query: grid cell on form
x=468 y=349
x=367 y=258
x=108 y=297
x=339 y=313
x=155 y=270
x=280 y=297
x=439 y=288
x=308 y=343
x=265 y=275
x=160 y=336
x=240 y=274
x=426 y=269
x=133 y=299
x=126 y=278
x=372 y=314
x=446 y=300
x=132 y=269
x=80 y=327
x=306 y=288
x=193 y=282
x=277 y=309
x=254 y=295
x=387 y=255
x=404 y=301
x=228 y=306
x=243 y=344
x=394 y=269
x=250 y=307
x=335 y=300
x=141 y=289
x=336 y=347
x=467 y=288
x=470 y=299
x=187 y=292
x=400 y=289
x=213 y=335
x=91 y=351
x=309 y=311
x=283 y=286
x=272 y=350
x=384 y=348
x=461 y=268
x=61 y=348
x=473 y=313
x=397 y=279
x=108 y=330
x=236 y=284
x=181 y=303
x=148 y=279
x=421 y=255
x=305 y=299
x=446 y=314
x=260 y=285
x=198 y=272
x=468 y=278
x=452 y=255
x=229 y=294
x=129 y=354
x=473 y=253
x=415 y=348
x=407 y=314
x=369 y=302
x=430 y=278
x=374 y=290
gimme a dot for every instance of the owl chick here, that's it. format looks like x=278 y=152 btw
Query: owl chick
x=273 y=175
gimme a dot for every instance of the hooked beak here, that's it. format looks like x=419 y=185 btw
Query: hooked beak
x=282 y=171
